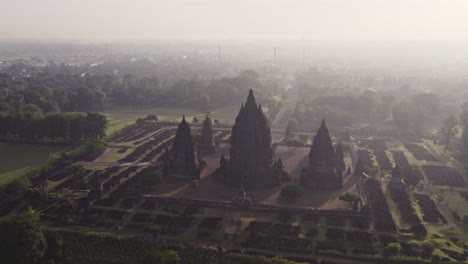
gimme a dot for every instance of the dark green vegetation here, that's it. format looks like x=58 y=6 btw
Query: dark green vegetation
x=52 y=92
x=291 y=192
x=25 y=241
x=36 y=127
x=94 y=248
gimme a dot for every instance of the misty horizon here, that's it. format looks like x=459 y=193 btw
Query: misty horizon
x=357 y=22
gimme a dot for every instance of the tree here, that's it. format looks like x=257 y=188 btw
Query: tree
x=291 y=192
x=294 y=142
x=37 y=197
x=162 y=257
x=351 y=198
x=194 y=184
x=195 y=120
x=448 y=131
x=77 y=171
x=140 y=122
x=411 y=174
x=54 y=245
x=152 y=118
x=23 y=241
x=95 y=125
x=392 y=249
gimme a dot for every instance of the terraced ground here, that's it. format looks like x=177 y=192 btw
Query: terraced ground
x=135 y=200
x=439 y=201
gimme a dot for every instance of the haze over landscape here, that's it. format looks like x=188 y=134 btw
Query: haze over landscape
x=233 y=132
x=361 y=21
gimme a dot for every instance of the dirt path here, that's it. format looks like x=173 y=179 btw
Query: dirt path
x=287 y=109
x=118 y=164
x=104 y=154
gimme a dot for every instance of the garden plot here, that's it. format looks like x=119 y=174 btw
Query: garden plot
x=442 y=175
x=382 y=160
x=429 y=209
x=400 y=158
x=420 y=152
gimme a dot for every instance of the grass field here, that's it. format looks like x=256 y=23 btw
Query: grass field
x=123 y=117
x=16 y=159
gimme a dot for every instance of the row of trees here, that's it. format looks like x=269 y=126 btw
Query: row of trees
x=53 y=127
x=73 y=92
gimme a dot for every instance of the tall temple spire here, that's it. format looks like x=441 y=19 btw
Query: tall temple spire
x=180 y=159
x=250 y=99
x=322 y=172
x=251 y=153
x=206 y=145
x=322 y=143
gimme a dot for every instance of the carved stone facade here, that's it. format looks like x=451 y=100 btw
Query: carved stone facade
x=340 y=165
x=180 y=159
x=251 y=155
x=206 y=146
x=322 y=172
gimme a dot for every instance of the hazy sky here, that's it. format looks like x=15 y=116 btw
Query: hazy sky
x=323 y=20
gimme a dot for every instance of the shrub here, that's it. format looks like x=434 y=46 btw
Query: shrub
x=291 y=192
x=295 y=142
x=153 y=118
x=194 y=184
x=392 y=249
x=351 y=198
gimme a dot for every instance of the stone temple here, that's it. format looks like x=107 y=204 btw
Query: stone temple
x=322 y=172
x=180 y=159
x=206 y=146
x=250 y=160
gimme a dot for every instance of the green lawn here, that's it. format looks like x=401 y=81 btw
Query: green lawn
x=121 y=118
x=16 y=158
